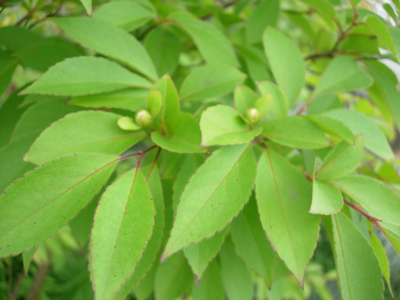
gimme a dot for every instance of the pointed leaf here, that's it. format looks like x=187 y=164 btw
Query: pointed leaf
x=154 y=103
x=211 y=286
x=201 y=254
x=84 y=75
x=333 y=127
x=200 y=85
x=326 y=198
x=109 y=40
x=357 y=266
x=284 y=198
x=284 y=57
x=35 y=207
x=118 y=238
x=342 y=74
x=101 y=134
x=244 y=98
x=214 y=195
x=222 y=125
x=280 y=105
x=296 y=132
x=87 y=4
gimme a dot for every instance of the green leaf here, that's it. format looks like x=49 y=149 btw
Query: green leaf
x=84 y=75
x=264 y=14
x=211 y=286
x=87 y=4
x=324 y=7
x=296 y=132
x=389 y=91
x=35 y=207
x=127 y=123
x=357 y=266
x=236 y=277
x=342 y=74
x=284 y=198
x=264 y=104
x=213 y=196
x=213 y=45
x=395 y=242
x=359 y=123
x=222 y=125
x=286 y=62
x=280 y=106
x=148 y=256
x=7 y=68
x=17 y=37
x=173 y=278
x=184 y=135
x=381 y=255
x=111 y=41
x=130 y=98
x=200 y=85
x=326 y=198
x=252 y=244
x=118 y=238
x=333 y=127
x=27 y=259
x=244 y=98
x=164 y=48
x=154 y=103
x=127 y=15
x=374 y=196
x=101 y=134
x=200 y=255
x=341 y=160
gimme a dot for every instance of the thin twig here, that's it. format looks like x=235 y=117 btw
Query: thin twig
x=139 y=153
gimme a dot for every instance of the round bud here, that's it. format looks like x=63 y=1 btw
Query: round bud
x=252 y=115
x=143 y=118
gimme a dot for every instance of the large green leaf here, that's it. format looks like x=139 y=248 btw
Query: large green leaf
x=215 y=194
x=200 y=85
x=211 y=286
x=199 y=255
x=373 y=195
x=148 y=256
x=86 y=131
x=35 y=207
x=359 y=123
x=118 y=238
x=252 y=244
x=341 y=160
x=235 y=275
x=213 y=45
x=342 y=74
x=84 y=75
x=284 y=198
x=131 y=99
x=286 y=62
x=164 y=49
x=127 y=15
x=109 y=40
x=222 y=125
x=358 y=269
x=296 y=132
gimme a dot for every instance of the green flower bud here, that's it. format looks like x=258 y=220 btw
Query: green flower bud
x=143 y=118
x=252 y=115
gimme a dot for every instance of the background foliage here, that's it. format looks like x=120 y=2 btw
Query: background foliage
x=250 y=147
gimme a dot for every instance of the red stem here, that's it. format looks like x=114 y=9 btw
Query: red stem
x=365 y=214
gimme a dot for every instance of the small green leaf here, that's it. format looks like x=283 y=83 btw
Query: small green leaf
x=381 y=255
x=87 y=4
x=127 y=123
x=199 y=255
x=118 y=238
x=333 y=127
x=341 y=160
x=213 y=196
x=111 y=41
x=211 y=286
x=252 y=244
x=244 y=98
x=200 y=85
x=84 y=75
x=284 y=57
x=326 y=198
x=342 y=74
x=284 y=198
x=154 y=103
x=184 y=135
x=296 y=132
x=101 y=134
x=35 y=207
x=213 y=45
x=359 y=123
x=280 y=106
x=127 y=15
x=358 y=269
x=366 y=191
x=222 y=125
x=264 y=104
